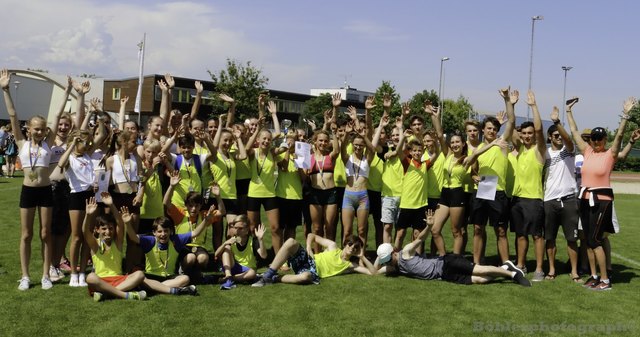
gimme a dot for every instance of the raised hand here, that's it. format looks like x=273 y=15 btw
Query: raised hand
x=430 y=109
x=555 y=114
x=215 y=189
x=106 y=198
x=514 y=96
x=228 y=99
x=635 y=135
x=572 y=102
x=429 y=218
x=237 y=133
x=629 y=104
x=124 y=100
x=85 y=87
x=126 y=216
x=386 y=101
x=352 y=112
x=328 y=116
x=69 y=84
x=311 y=124
x=271 y=107
x=504 y=92
x=531 y=98
x=336 y=99
x=211 y=212
x=260 y=230
x=369 y=104
x=170 y=81
x=163 y=85
x=501 y=116
x=198 y=86
x=175 y=178
x=384 y=121
x=262 y=101
x=398 y=122
x=5 y=79
x=91 y=206
x=96 y=104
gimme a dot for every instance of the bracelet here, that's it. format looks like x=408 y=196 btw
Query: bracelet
x=626 y=117
x=556 y=122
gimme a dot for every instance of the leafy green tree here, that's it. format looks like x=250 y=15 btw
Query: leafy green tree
x=417 y=104
x=455 y=113
x=396 y=108
x=243 y=82
x=314 y=108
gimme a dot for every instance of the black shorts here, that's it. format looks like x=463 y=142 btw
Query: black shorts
x=375 y=206
x=468 y=210
x=32 y=197
x=60 y=222
x=158 y=277
x=453 y=197
x=495 y=211
x=125 y=199
x=291 y=214
x=230 y=206
x=596 y=221
x=432 y=203
x=78 y=200
x=457 y=269
x=527 y=216
x=561 y=212
x=306 y=198
x=323 y=197
x=339 y=196
x=253 y=204
x=242 y=186
x=413 y=218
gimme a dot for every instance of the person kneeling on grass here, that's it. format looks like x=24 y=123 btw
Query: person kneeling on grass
x=452 y=267
x=107 y=256
x=310 y=268
x=161 y=252
x=239 y=252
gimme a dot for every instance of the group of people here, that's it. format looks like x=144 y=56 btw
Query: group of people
x=93 y=185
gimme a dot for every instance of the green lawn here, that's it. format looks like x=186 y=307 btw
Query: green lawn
x=352 y=305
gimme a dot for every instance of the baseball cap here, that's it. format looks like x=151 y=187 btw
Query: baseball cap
x=384 y=252
x=598 y=133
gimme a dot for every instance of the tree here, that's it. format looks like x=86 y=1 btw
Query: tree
x=385 y=88
x=314 y=108
x=417 y=103
x=243 y=82
x=455 y=113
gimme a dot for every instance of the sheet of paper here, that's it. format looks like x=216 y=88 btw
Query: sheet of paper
x=303 y=155
x=102 y=181
x=487 y=187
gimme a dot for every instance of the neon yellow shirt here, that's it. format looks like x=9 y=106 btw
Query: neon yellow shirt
x=392 y=176
x=161 y=262
x=245 y=257
x=511 y=174
x=374 y=183
x=189 y=181
x=152 y=206
x=493 y=163
x=454 y=173
x=224 y=171
x=414 y=186
x=263 y=176
x=528 y=174
x=289 y=184
x=329 y=263
x=107 y=262
x=435 y=177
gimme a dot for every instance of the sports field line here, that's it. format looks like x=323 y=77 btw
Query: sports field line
x=626 y=259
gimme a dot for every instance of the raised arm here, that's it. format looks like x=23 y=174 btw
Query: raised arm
x=566 y=138
x=329 y=118
x=197 y=100
x=510 y=100
x=231 y=112
x=91 y=211
x=411 y=248
x=627 y=149
x=429 y=109
x=252 y=140
x=326 y=243
x=262 y=251
x=54 y=127
x=370 y=105
x=205 y=222
x=63 y=162
x=173 y=181
x=271 y=107
x=629 y=104
x=122 y=111
x=541 y=144
x=577 y=137
x=5 y=82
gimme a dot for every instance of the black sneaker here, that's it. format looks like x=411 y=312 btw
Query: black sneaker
x=591 y=281
x=521 y=280
x=512 y=267
x=188 y=290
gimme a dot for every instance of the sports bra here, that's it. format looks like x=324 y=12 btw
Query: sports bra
x=325 y=166
x=56 y=152
x=360 y=170
x=118 y=174
x=35 y=156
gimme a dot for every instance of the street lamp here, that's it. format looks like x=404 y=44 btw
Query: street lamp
x=564 y=92
x=533 y=25
x=16 y=84
x=440 y=88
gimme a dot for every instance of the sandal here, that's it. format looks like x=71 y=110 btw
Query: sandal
x=576 y=279
x=550 y=277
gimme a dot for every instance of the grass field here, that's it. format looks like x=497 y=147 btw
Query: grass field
x=352 y=305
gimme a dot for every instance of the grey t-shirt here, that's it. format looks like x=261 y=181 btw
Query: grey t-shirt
x=421 y=267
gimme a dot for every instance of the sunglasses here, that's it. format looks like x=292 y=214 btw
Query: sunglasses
x=555 y=135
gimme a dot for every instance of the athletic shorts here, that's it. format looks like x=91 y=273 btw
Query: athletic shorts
x=291 y=214
x=323 y=197
x=158 y=277
x=432 y=203
x=495 y=211
x=112 y=280
x=242 y=186
x=32 y=197
x=596 y=220
x=457 y=269
x=60 y=222
x=356 y=200
x=78 y=200
x=339 y=196
x=125 y=199
x=390 y=210
x=453 y=197
x=561 y=212
x=253 y=204
x=239 y=269
x=230 y=206
x=413 y=218
x=301 y=262
x=527 y=216
x=375 y=205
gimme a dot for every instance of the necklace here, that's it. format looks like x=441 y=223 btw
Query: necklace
x=33 y=175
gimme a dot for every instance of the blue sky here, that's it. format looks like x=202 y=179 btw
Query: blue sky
x=301 y=45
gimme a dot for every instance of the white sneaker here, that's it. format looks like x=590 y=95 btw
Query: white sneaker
x=46 y=283
x=73 y=282
x=82 y=282
x=24 y=283
x=55 y=274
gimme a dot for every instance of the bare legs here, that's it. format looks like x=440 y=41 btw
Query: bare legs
x=27 y=217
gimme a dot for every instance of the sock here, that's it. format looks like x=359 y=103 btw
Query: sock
x=174 y=291
x=595 y=277
x=126 y=295
x=606 y=281
x=513 y=274
x=505 y=267
x=269 y=273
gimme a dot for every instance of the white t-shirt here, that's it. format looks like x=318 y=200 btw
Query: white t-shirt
x=578 y=166
x=559 y=180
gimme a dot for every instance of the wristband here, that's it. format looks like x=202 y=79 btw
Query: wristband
x=556 y=122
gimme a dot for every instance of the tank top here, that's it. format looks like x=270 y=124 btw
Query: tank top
x=161 y=262
x=186 y=226
x=80 y=174
x=152 y=206
x=35 y=155
x=263 y=176
x=454 y=173
x=357 y=168
x=123 y=174
x=528 y=174
x=435 y=178
x=493 y=163
x=245 y=257
x=329 y=263
x=224 y=173
x=107 y=262
x=289 y=184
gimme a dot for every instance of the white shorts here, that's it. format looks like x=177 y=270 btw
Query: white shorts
x=390 y=210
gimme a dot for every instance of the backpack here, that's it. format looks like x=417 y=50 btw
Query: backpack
x=196 y=163
x=12 y=147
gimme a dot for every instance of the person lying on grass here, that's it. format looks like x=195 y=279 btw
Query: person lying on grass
x=239 y=252
x=451 y=267
x=310 y=268
x=106 y=253
x=161 y=254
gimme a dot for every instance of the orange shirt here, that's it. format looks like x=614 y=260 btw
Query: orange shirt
x=596 y=170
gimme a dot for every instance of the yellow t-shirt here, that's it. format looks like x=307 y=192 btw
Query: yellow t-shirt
x=435 y=177
x=454 y=173
x=469 y=185
x=392 y=176
x=493 y=163
x=329 y=263
x=224 y=171
x=107 y=262
x=511 y=175
x=289 y=184
x=414 y=185
x=374 y=183
x=263 y=176
x=528 y=174
x=189 y=181
x=152 y=206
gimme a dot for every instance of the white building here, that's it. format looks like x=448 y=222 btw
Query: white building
x=348 y=93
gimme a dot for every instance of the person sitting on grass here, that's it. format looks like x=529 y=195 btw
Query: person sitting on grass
x=106 y=253
x=310 y=268
x=452 y=267
x=196 y=257
x=161 y=252
x=239 y=252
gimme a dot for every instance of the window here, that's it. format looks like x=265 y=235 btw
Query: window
x=115 y=94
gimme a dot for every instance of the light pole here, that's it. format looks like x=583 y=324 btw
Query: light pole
x=16 y=84
x=533 y=25
x=440 y=89
x=564 y=91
